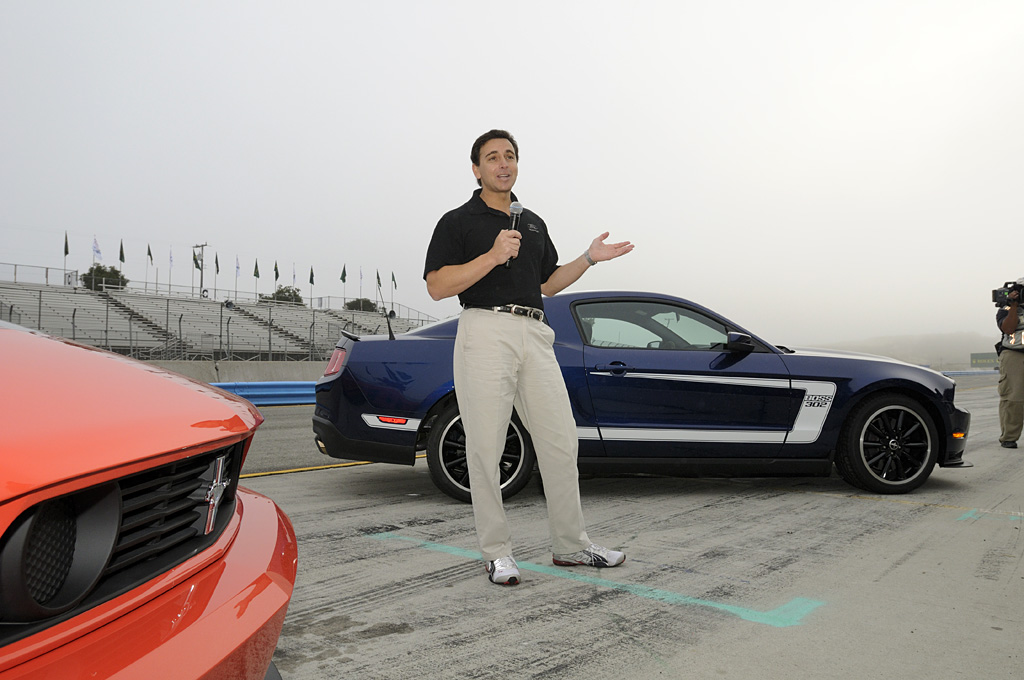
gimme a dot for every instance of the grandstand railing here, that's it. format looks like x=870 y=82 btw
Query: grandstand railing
x=184 y=324
x=212 y=288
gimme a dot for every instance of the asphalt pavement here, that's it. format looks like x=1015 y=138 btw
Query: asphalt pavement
x=725 y=578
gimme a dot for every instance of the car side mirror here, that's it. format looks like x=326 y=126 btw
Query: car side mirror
x=739 y=342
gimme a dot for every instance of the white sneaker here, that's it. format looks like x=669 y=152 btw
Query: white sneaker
x=594 y=556
x=503 y=571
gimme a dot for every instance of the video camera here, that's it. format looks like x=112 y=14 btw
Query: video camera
x=1001 y=296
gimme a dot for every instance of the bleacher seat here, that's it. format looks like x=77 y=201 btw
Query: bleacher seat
x=154 y=326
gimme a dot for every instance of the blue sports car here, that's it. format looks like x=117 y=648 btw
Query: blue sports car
x=658 y=384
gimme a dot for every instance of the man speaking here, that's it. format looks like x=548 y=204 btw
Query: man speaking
x=504 y=356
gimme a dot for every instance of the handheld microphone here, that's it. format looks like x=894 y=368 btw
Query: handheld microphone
x=515 y=212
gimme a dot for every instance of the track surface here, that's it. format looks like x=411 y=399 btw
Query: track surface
x=743 y=578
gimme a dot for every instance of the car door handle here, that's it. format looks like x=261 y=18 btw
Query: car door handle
x=615 y=368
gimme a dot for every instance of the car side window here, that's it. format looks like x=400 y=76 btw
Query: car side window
x=648 y=325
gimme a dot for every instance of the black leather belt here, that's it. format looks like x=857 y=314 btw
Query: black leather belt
x=518 y=310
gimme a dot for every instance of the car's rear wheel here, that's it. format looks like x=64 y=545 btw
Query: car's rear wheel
x=446 y=456
x=889 y=445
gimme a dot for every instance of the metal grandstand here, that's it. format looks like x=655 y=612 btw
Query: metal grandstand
x=185 y=324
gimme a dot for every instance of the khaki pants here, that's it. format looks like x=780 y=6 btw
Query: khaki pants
x=503 y=360
x=1011 y=395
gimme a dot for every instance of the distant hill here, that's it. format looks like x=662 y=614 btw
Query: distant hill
x=946 y=352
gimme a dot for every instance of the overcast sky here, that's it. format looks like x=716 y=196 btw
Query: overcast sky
x=813 y=170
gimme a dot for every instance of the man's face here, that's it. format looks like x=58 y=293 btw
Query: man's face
x=498 y=168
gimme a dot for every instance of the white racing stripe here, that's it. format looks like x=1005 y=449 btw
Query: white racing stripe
x=629 y=434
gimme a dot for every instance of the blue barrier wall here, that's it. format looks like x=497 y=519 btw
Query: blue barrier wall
x=273 y=393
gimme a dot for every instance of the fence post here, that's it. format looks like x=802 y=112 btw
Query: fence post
x=167 y=326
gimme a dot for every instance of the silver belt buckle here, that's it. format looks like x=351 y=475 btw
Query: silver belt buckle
x=520 y=310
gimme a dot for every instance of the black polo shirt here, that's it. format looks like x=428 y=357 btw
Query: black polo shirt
x=467 y=232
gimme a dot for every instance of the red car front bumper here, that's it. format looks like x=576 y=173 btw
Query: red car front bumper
x=205 y=619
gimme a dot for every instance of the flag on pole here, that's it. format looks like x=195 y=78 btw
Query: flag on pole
x=394 y=284
x=96 y=249
x=195 y=261
x=170 y=256
x=343 y=273
x=121 y=256
x=149 y=253
x=277 y=274
x=311 y=277
x=256 y=269
x=238 y=267
x=66 y=251
x=378 y=278
x=216 y=264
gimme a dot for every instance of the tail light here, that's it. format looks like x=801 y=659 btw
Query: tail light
x=336 y=362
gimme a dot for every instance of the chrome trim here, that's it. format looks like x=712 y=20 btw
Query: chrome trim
x=215 y=492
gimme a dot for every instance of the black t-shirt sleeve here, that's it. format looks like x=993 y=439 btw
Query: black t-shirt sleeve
x=445 y=245
x=549 y=261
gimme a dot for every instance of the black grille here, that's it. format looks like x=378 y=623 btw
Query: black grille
x=162 y=520
x=163 y=517
x=159 y=510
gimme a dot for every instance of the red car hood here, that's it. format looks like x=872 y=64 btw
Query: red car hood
x=67 y=410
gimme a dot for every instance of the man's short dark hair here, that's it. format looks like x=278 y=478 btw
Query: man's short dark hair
x=474 y=154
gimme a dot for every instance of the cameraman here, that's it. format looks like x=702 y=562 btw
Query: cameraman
x=1010 y=319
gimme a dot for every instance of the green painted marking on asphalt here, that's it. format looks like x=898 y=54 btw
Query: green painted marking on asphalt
x=986 y=514
x=790 y=614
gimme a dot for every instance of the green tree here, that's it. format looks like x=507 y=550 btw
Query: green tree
x=361 y=305
x=284 y=294
x=99 y=277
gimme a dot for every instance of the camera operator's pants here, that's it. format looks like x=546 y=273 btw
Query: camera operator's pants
x=1011 y=394
x=503 y=360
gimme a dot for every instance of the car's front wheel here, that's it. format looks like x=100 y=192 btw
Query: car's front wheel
x=889 y=445
x=446 y=456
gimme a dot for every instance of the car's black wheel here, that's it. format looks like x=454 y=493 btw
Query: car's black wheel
x=889 y=445
x=446 y=456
